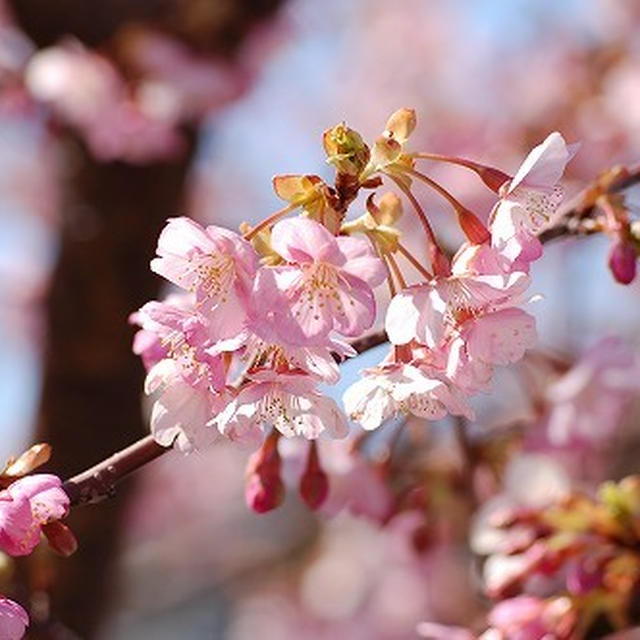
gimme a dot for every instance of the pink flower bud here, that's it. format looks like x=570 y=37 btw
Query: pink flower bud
x=264 y=490
x=60 y=538
x=584 y=576
x=314 y=484
x=622 y=261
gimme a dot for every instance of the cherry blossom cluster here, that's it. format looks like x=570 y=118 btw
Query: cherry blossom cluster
x=264 y=315
x=562 y=568
x=129 y=105
x=30 y=506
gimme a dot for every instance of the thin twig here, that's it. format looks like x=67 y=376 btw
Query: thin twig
x=98 y=482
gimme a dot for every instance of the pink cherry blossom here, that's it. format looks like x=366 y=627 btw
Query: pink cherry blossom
x=289 y=402
x=25 y=506
x=86 y=91
x=478 y=284
x=530 y=200
x=531 y=618
x=588 y=402
x=393 y=389
x=188 y=339
x=151 y=343
x=500 y=337
x=13 y=620
x=216 y=264
x=180 y=411
x=326 y=286
x=188 y=383
x=318 y=362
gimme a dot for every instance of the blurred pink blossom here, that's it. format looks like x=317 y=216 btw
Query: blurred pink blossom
x=25 y=506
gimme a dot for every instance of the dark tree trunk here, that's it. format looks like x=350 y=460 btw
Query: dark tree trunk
x=90 y=407
x=111 y=213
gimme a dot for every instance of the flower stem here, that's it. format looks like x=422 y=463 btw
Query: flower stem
x=493 y=178
x=434 y=247
x=397 y=272
x=272 y=219
x=414 y=261
x=392 y=286
x=455 y=203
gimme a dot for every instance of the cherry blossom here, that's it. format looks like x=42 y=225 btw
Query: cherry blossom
x=393 y=389
x=588 y=401
x=289 y=402
x=318 y=362
x=529 y=201
x=188 y=381
x=429 y=311
x=13 y=620
x=217 y=265
x=500 y=337
x=180 y=411
x=25 y=507
x=326 y=285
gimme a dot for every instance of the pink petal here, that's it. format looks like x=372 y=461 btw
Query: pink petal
x=416 y=313
x=181 y=414
x=544 y=165
x=357 y=310
x=301 y=240
x=13 y=620
x=18 y=536
x=361 y=261
x=501 y=337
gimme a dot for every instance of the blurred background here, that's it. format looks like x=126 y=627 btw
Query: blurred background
x=117 y=116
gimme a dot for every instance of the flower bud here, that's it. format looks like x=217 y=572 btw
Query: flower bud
x=386 y=151
x=622 y=261
x=314 y=484
x=389 y=211
x=345 y=149
x=60 y=538
x=264 y=489
x=263 y=492
x=401 y=124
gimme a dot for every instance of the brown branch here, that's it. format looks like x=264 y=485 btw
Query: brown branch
x=98 y=482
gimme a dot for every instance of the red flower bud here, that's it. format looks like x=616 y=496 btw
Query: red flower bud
x=264 y=489
x=314 y=484
x=60 y=538
x=622 y=261
x=263 y=492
